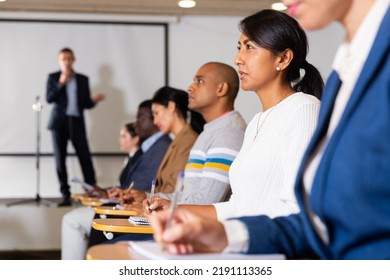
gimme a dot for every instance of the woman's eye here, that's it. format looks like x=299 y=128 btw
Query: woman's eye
x=248 y=46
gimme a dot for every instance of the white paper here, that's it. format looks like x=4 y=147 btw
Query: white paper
x=106 y=200
x=84 y=184
x=152 y=250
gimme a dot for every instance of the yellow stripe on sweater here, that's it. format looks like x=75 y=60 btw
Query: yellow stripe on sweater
x=194 y=165
x=221 y=166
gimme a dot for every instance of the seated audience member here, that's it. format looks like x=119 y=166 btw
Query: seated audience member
x=129 y=142
x=271 y=52
x=206 y=179
x=212 y=94
x=170 y=113
x=154 y=147
x=342 y=185
x=76 y=224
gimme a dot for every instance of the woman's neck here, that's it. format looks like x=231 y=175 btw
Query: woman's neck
x=133 y=151
x=271 y=97
x=178 y=126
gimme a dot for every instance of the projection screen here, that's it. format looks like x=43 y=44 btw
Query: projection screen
x=126 y=61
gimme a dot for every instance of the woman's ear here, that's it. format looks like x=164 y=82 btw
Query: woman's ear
x=171 y=106
x=284 y=59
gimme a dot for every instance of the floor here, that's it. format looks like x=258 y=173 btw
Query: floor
x=30 y=230
x=34 y=201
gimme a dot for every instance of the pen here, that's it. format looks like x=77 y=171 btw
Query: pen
x=118 y=206
x=172 y=207
x=130 y=187
x=152 y=190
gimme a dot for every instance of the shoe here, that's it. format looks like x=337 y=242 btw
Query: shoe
x=65 y=202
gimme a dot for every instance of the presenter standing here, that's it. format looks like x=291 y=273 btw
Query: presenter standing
x=69 y=92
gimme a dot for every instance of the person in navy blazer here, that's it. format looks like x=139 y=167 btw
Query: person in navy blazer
x=343 y=184
x=70 y=94
x=154 y=147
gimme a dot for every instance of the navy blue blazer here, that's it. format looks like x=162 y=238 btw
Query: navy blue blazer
x=56 y=93
x=144 y=170
x=351 y=189
x=129 y=164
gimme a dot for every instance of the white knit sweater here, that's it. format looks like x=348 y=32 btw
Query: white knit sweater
x=263 y=174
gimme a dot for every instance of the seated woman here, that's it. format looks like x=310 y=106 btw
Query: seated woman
x=170 y=113
x=272 y=51
x=129 y=142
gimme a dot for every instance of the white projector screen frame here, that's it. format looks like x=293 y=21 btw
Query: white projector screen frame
x=127 y=61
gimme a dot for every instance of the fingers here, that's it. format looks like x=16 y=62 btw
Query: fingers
x=158 y=222
x=180 y=249
x=145 y=204
x=157 y=204
x=137 y=195
x=182 y=228
x=99 y=97
x=145 y=207
x=125 y=198
x=176 y=232
x=114 y=193
x=178 y=238
x=64 y=77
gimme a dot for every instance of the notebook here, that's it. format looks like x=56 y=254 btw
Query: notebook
x=139 y=221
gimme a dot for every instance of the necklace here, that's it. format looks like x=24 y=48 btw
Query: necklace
x=258 y=128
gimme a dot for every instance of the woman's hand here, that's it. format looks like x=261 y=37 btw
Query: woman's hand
x=188 y=232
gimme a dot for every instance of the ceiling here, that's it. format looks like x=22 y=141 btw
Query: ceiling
x=134 y=7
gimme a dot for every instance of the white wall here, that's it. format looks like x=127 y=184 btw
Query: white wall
x=197 y=40
x=193 y=41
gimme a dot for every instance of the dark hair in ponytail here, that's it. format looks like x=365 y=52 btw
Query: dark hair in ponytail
x=180 y=98
x=276 y=32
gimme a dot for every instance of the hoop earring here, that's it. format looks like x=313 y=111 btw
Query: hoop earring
x=278 y=69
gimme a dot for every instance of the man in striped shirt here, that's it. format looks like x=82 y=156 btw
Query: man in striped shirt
x=212 y=94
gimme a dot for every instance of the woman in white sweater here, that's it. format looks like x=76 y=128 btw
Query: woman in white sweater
x=271 y=53
x=262 y=175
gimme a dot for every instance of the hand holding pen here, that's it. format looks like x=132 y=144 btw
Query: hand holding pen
x=183 y=232
x=122 y=195
x=114 y=193
x=186 y=232
x=158 y=204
